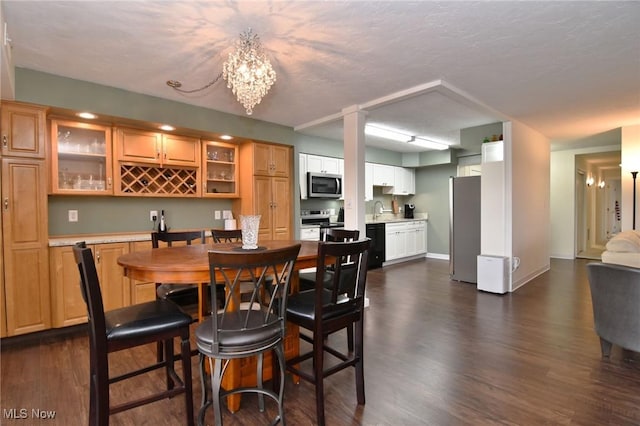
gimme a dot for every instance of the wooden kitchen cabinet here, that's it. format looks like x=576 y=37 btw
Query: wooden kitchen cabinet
x=142 y=146
x=272 y=201
x=268 y=195
x=155 y=164
x=24 y=240
x=80 y=158
x=24 y=276
x=23 y=130
x=271 y=160
x=66 y=297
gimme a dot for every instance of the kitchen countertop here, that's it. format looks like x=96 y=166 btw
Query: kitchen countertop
x=62 y=241
x=391 y=218
x=69 y=240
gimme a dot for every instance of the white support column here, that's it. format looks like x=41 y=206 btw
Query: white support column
x=353 y=180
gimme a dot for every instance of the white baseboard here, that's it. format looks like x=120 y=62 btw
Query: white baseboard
x=438 y=256
x=522 y=281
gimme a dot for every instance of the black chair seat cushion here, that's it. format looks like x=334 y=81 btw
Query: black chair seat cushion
x=308 y=280
x=165 y=291
x=254 y=337
x=144 y=319
x=302 y=306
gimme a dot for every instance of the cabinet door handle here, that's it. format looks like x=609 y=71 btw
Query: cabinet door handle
x=4 y=141
x=6 y=203
x=109 y=182
x=98 y=256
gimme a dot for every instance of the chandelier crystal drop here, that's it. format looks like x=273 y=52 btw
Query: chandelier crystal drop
x=248 y=72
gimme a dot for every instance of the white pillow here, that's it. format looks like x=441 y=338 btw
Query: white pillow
x=627 y=242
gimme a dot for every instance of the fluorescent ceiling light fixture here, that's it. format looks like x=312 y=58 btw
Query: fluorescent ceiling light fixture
x=167 y=127
x=395 y=135
x=386 y=133
x=87 y=115
x=425 y=143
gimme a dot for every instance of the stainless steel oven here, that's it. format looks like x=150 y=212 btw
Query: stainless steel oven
x=320 y=218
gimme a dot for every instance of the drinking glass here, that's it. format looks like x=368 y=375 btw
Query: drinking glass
x=249 y=226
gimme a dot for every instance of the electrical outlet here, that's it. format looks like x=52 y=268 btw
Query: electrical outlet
x=153 y=215
x=73 y=215
x=217 y=214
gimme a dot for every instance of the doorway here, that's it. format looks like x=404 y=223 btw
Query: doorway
x=597 y=196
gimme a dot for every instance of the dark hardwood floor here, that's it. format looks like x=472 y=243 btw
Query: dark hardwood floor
x=436 y=353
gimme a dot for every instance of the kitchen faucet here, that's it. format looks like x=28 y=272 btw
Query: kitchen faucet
x=376 y=212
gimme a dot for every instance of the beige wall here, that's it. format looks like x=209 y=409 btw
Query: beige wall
x=630 y=162
x=529 y=192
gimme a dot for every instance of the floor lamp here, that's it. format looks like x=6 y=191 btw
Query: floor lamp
x=634 y=174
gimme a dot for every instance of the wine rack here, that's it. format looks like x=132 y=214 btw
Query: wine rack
x=137 y=180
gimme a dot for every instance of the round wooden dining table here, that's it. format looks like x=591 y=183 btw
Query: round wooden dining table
x=190 y=264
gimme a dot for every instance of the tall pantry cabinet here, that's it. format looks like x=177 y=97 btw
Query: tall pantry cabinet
x=266 y=188
x=24 y=282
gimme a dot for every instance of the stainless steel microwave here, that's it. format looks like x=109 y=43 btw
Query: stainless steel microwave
x=323 y=185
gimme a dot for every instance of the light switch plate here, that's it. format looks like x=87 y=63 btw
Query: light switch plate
x=217 y=214
x=73 y=215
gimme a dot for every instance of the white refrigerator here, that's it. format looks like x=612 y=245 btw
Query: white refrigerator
x=464 y=228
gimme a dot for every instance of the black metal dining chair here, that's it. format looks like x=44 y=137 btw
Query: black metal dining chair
x=307 y=280
x=125 y=328
x=238 y=330
x=185 y=295
x=326 y=310
x=226 y=235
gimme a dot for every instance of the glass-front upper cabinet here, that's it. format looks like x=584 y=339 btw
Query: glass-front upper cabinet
x=219 y=169
x=80 y=158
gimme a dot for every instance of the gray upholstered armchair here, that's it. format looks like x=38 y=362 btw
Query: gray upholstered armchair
x=615 y=294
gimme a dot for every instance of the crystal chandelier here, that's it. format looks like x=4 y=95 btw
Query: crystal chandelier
x=248 y=72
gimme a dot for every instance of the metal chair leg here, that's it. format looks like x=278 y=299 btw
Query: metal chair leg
x=216 y=382
x=279 y=353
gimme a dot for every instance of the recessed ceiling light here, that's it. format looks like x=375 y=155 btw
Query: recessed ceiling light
x=167 y=127
x=87 y=115
x=226 y=137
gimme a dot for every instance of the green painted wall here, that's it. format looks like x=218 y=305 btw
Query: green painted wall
x=98 y=215
x=131 y=214
x=432 y=196
x=47 y=89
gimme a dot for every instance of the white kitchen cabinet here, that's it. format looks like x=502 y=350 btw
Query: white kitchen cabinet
x=405 y=239
x=302 y=175
x=404 y=182
x=368 y=181
x=395 y=241
x=320 y=164
x=383 y=175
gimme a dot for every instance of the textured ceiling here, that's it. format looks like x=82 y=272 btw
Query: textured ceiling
x=566 y=69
